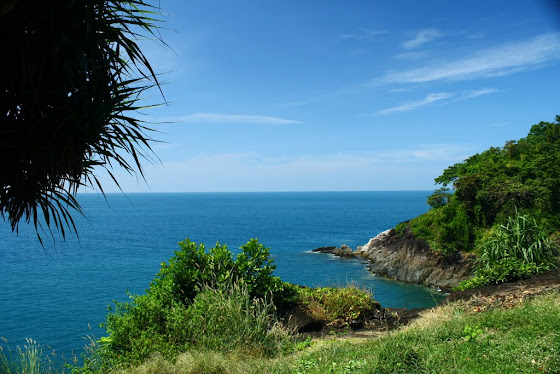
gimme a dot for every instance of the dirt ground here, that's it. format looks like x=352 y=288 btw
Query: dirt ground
x=508 y=294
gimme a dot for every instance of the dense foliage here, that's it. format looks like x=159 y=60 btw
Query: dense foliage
x=491 y=186
x=204 y=300
x=71 y=76
x=516 y=250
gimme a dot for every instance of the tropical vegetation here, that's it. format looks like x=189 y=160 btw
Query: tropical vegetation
x=207 y=300
x=203 y=299
x=71 y=79
x=459 y=337
x=503 y=204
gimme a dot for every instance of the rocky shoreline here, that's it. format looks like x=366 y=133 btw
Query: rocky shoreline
x=403 y=257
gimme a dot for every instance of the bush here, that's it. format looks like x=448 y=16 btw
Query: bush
x=446 y=229
x=338 y=304
x=516 y=250
x=522 y=238
x=194 y=296
x=192 y=268
x=228 y=320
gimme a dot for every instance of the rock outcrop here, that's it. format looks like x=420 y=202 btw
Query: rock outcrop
x=403 y=257
x=406 y=258
x=342 y=251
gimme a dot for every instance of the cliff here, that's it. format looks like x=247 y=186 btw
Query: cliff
x=406 y=258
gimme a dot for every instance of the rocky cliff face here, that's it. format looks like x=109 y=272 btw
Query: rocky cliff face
x=405 y=258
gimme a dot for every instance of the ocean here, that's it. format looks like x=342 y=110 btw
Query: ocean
x=58 y=295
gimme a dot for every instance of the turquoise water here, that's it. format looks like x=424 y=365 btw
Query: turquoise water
x=59 y=294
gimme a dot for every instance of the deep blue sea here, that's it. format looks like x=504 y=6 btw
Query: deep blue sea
x=59 y=294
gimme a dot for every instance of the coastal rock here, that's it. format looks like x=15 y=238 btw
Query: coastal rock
x=403 y=257
x=342 y=251
x=406 y=258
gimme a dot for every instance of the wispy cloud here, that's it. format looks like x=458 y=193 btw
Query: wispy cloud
x=437 y=97
x=422 y=37
x=363 y=34
x=450 y=152
x=428 y=100
x=498 y=61
x=473 y=94
x=233 y=119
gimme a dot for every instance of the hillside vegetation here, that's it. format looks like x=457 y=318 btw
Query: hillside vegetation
x=485 y=190
x=448 y=339
x=503 y=204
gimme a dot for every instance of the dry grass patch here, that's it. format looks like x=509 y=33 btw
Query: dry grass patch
x=210 y=362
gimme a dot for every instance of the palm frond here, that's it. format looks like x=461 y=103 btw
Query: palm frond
x=72 y=75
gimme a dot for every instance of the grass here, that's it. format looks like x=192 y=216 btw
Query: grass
x=32 y=358
x=450 y=338
x=453 y=339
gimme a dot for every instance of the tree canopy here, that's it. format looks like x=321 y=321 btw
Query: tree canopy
x=491 y=186
x=71 y=75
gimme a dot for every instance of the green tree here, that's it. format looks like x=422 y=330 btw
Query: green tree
x=71 y=75
x=489 y=187
x=439 y=198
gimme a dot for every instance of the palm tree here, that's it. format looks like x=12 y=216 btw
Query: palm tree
x=70 y=79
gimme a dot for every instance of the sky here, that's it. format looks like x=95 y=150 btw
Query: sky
x=341 y=95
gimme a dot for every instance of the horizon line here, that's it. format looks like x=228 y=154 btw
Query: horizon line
x=275 y=191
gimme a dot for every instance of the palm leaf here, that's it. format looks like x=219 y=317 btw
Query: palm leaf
x=72 y=75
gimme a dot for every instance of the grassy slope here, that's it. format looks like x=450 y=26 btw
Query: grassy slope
x=451 y=338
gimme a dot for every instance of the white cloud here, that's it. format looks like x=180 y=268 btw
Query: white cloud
x=233 y=119
x=422 y=37
x=449 y=152
x=430 y=99
x=435 y=97
x=477 y=93
x=498 y=61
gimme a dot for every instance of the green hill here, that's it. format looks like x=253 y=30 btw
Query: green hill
x=483 y=191
x=503 y=204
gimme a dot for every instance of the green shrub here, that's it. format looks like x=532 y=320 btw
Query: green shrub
x=513 y=251
x=229 y=320
x=161 y=321
x=522 y=238
x=447 y=229
x=192 y=268
x=401 y=228
x=344 y=304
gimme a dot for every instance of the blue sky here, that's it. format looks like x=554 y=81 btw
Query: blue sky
x=332 y=95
